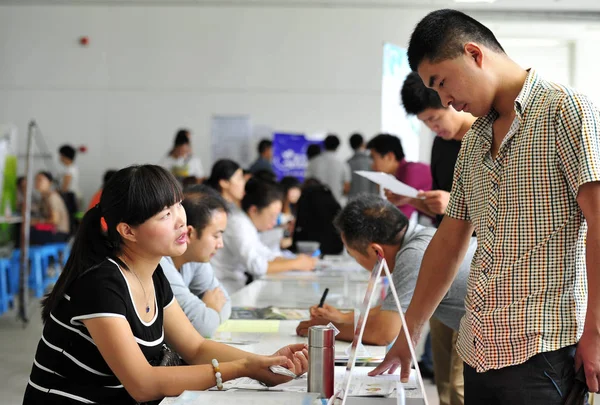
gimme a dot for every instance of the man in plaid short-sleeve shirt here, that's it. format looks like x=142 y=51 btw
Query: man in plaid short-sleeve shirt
x=527 y=180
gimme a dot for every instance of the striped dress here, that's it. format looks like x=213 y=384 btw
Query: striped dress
x=68 y=367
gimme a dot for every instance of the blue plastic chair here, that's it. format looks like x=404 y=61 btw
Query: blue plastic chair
x=53 y=250
x=39 y=257
x=6 y=298
x=13 y=272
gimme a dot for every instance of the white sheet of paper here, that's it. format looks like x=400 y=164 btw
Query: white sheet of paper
x=243 y=397
x=389 y=182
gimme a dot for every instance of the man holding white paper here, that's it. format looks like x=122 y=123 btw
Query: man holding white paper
x=388 y=157
x=449 y=126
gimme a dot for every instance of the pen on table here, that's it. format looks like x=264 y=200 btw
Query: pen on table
x=323 y=298
x=316 y=253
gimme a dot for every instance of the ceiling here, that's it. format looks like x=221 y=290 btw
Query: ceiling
x=532 y=5
x=504 y=10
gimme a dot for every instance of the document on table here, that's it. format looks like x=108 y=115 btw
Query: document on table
x=389 y=182
x=270 y=313
x=362 y=355
x=252 y=326
x=242 y=397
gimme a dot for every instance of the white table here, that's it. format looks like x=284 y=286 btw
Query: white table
x=302 y=290
x=268 y=343
x=257 y=394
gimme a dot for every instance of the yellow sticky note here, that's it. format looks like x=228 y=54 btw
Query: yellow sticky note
x=249 y=326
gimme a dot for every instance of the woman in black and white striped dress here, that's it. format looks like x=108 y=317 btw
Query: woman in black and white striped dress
x=112 y=308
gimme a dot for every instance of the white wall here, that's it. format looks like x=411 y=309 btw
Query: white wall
x=150 y=70
x=575 y=51
x=586 y=65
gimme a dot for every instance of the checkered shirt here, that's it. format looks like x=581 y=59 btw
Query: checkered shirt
x=527 y=290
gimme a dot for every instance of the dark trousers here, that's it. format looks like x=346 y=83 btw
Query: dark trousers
x=544 y=379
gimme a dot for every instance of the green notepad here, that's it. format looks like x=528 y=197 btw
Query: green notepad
x=249 y=326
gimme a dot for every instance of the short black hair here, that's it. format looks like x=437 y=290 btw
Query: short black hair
x=264 y=145
x=386 y=143
x=47 y=175
x=368 y=218
x=416 y=97
x=266 y=175
x=261 y=194
x=289 y=182
x=200 y=202
x=313 y=150
x=223 y=169
x=182 y=137
x=442 y=35
x=331 y=142
x=67 y=151
x=356 y=141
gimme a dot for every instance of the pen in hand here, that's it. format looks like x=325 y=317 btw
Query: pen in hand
x=323 y=298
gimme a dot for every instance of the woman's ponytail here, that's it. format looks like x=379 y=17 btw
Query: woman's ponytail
x=90 y=248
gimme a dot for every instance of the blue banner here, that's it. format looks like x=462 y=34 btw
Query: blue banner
x=289 y=154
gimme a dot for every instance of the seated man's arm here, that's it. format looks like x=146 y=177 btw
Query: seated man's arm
x=204 y=280
x=381 y=329
x=204 y=319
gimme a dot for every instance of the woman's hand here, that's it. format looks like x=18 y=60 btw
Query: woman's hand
x=298 y=355
x=292 y=357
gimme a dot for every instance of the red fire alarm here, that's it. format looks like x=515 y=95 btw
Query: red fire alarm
x=84 y=41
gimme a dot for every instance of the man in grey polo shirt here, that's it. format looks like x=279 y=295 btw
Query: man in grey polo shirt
x=371 y=226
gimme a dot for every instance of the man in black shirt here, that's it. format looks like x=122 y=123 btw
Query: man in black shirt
x=450 y=127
